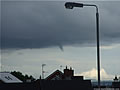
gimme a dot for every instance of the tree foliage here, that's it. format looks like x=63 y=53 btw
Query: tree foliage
x=22 y=77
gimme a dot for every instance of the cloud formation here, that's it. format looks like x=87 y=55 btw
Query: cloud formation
x=39 y=24
x=92 y=74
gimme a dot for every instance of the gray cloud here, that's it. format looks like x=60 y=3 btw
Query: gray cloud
x=42 y=24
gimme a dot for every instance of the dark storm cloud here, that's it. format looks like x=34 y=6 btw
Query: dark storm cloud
x=43 y=24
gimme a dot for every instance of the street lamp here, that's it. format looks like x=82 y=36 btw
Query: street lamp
x=71 y=5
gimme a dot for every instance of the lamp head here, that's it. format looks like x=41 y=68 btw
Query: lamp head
x=71 y=5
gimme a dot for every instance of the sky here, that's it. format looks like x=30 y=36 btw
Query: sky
x=44 y=32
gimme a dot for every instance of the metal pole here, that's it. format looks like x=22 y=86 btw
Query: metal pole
x=43 y=71
x=70 y=5
x=98 y=46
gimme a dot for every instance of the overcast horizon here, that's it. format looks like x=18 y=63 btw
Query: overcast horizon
x=44 y=32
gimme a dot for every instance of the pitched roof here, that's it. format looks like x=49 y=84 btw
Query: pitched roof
x=7 y=77
x=54 y=74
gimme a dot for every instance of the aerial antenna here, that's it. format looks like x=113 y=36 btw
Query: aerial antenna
x=61 y=67
x=43 y=70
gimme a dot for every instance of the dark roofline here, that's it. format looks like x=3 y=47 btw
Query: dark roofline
x=53 y=74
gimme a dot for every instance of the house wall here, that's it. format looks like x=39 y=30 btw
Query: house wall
x=65 y=85
x=49 y=85
x=19 y=86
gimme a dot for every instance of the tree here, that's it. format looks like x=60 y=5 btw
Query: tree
x=22 y=77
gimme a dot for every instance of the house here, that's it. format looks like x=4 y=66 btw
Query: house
x=56 y=81
x=6 y=77
x=64 y=81
x=68 y=74
x=57 y=75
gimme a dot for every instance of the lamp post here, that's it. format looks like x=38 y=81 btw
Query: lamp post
x=71 y=5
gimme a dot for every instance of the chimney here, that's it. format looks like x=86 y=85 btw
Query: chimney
x=115 y=79
x=68 y=72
